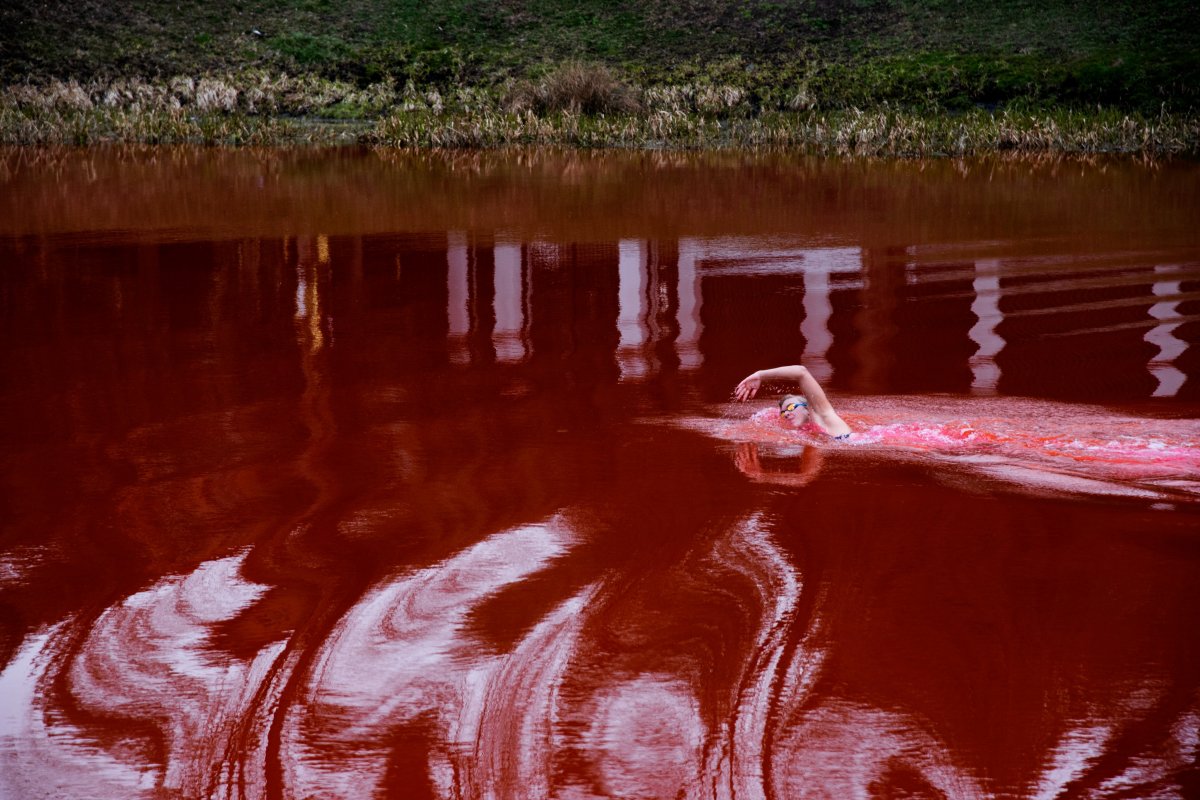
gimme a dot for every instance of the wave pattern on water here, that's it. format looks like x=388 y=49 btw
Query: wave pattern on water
x=144 y=661
x=502 y=724
x=400 y=654
x=498 y=723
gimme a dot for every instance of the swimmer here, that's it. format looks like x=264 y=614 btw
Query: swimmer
x=811 y=406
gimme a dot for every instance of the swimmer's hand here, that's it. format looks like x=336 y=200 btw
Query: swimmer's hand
x=748 y=387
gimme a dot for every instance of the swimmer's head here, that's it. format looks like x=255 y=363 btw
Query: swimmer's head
x=794 y=409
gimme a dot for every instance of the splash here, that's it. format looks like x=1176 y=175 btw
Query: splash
x=1032 y=443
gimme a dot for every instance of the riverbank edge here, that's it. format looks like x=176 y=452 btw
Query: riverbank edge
x=879 y=132
x=599 y=113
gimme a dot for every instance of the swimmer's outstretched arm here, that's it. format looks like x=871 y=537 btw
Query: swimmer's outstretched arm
x=794 y=373
x=818 y=403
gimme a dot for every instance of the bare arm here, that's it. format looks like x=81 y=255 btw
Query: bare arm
x=818 y=403
x=796 y=374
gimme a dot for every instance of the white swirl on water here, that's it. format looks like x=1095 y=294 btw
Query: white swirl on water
x=145 y=659
x=401 y=653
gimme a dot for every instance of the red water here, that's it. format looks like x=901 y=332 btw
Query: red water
x=358 y=475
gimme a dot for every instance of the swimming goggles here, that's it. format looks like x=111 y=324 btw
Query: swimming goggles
x=793 y=406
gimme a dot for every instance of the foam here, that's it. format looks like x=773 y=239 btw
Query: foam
x=1033 y=443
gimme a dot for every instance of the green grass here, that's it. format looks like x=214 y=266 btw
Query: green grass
x=955 y=54
x=875 y=77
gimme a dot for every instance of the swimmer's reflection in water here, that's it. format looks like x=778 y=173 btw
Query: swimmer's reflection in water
x=809 y=410
x=797 y=473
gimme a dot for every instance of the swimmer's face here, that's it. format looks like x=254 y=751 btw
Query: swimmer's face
x=794 y=410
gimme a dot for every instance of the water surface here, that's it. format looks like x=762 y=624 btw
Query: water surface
x=351 y=474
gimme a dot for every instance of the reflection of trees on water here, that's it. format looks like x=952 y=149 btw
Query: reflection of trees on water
x=986 y=306
x=1170 y=347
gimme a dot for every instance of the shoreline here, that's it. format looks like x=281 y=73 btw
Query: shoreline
x=869 y=133
x=595 y=111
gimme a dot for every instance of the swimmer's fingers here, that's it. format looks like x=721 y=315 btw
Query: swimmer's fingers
x=747 y=388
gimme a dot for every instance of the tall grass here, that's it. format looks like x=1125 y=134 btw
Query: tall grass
x=98 y=125
x=576 y=105
x=863 y=133
x=577 y=88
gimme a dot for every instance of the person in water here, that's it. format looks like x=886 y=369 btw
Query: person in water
x=810 y=407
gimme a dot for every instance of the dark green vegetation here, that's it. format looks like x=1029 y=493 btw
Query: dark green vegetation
x=1135 y=55
x=402 y=64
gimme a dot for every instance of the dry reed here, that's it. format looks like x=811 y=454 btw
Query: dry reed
x=576 y=88
x=577 y=106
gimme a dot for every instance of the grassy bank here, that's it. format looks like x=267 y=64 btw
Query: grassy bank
x=1134 y=55
x=869 y=133
x=578 y=106
x=902 y=76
